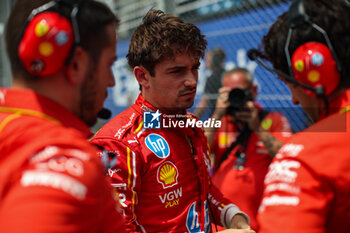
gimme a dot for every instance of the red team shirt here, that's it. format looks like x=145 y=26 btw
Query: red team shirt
x=245 y=187
x=308 y=183
x=162 y=175
x=51 y=179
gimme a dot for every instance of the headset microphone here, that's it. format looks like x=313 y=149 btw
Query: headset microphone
x=104 y=113
x=256 y=55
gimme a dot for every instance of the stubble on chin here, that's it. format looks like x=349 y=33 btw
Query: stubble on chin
x=87 y=106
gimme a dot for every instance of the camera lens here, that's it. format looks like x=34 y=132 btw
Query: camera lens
x=237 y=98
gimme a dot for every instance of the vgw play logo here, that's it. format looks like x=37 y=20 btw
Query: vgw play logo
x=155 y=120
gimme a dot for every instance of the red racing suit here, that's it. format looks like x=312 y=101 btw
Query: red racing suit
x=51 y=179
x=245 y=186
x=162 y=175
x=307 y=187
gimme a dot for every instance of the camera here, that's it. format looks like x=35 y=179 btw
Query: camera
x=238 y=98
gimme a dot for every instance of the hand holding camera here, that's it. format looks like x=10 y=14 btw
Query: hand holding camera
x=239 y=103
x=222 y=103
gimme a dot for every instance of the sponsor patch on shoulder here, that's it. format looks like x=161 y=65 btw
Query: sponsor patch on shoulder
x=158 y=145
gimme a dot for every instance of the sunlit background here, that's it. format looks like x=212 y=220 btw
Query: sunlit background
x=233 y=25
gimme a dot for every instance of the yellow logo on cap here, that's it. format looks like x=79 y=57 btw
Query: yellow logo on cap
x=45 y=49
x=299 y=65
x=41 y=28
x=266 y=124
x=313 y=76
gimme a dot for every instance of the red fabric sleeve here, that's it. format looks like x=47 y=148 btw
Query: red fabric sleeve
x=291 y=189
x=62 y=192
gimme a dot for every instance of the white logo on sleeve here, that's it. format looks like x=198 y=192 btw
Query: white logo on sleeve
x=282 y=171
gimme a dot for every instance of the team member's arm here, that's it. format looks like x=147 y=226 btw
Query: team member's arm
x=60 y=190
x=124 y=178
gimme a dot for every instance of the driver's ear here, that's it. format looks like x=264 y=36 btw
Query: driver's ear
x=142 y=76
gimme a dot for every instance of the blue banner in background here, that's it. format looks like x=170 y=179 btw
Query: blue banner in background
x=235 y=34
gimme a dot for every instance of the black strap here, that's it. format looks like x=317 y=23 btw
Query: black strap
x=242 y=140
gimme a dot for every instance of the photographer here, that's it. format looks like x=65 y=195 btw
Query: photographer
x=246 y=142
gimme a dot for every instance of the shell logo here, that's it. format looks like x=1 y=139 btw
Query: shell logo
x=167 y=174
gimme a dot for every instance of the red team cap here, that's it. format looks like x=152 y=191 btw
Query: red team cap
x=314 y=65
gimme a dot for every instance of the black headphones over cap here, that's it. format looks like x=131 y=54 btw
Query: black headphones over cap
x=48 y=38
x=313 y=66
